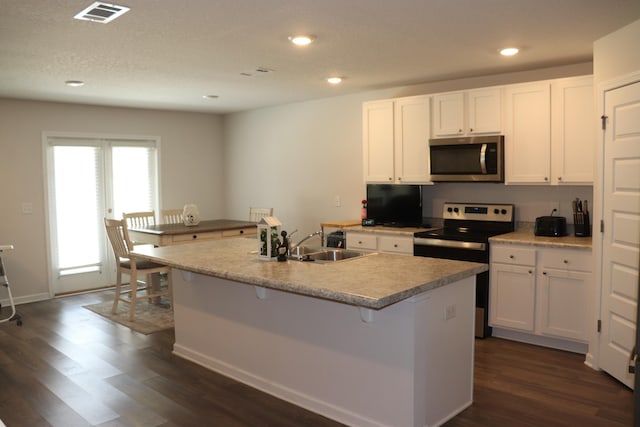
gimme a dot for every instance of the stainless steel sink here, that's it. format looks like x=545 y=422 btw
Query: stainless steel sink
x=323 y=255
x=299 y=251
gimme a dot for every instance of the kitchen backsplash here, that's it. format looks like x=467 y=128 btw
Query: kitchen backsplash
x=530 y=201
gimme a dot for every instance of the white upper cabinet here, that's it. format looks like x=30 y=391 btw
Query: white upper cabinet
x=467 y=113
x=550 y=134
x=378 y=135
x=573 y=131
x=528 y=133
x=396 y=140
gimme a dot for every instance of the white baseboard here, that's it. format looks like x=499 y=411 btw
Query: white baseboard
x=559 y=344
x=26 y=299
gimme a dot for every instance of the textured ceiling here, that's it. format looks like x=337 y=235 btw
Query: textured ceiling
x=168 y=54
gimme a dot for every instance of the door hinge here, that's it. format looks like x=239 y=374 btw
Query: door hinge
x=602 y=226
x=604 y=121
x=599 y=325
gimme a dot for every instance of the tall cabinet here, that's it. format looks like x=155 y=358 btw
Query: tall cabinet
x=396 y=140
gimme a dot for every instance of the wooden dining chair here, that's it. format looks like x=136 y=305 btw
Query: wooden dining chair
x=255 y=214
x=128 y=264
x=171 y=216
x=140 y=219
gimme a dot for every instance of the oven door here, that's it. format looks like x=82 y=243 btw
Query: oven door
x=451 y=249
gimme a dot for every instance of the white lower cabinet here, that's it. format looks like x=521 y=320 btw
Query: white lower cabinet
x=380 y=242
x=545 y=292
x=512 y=289
x=564 y=294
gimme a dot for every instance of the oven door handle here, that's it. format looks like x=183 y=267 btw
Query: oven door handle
x=476 y=246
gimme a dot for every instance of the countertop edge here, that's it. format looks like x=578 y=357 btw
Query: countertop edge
x=268 y=274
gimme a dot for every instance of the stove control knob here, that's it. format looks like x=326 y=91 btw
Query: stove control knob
x=503 y=211
x=449 y=210
x=496 y=211
x=456 y=210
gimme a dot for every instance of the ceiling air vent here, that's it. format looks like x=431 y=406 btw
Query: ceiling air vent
x=102 y=12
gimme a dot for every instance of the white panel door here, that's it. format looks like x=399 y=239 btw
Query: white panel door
x=621 y=237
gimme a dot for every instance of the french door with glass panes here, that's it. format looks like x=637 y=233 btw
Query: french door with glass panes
x=89 y=179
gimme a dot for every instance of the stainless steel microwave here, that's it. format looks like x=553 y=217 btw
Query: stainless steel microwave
x=467 y=159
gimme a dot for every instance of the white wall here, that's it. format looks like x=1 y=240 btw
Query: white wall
x=298 y=157
x=191 y=171
x=617 y=54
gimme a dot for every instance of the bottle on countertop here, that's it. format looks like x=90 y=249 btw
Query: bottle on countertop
x=283 y=247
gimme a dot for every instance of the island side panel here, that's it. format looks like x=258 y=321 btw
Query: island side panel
x=445 y=345
x=315 y=353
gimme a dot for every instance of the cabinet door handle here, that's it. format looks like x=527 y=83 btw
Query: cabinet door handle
x=470 y=129
x=390 y=179
x=395 y=245
x=399 y=178
x=559 y=178
x=546 y=178
x=544 y=272
x=511 y=257
x=530 y=271
x=566 y=261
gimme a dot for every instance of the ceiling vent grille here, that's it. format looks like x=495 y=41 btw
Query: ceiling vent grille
x=102 y=12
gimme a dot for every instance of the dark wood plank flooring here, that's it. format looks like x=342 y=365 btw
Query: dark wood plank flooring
x=67 y=366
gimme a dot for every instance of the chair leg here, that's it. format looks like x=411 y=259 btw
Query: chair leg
x=114 y=308
x=133 y=283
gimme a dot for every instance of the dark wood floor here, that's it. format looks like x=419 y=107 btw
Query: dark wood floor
x=67 y=366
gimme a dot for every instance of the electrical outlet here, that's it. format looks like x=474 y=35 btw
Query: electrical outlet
x=337 y=201
x=27 y=208
x=450 y=312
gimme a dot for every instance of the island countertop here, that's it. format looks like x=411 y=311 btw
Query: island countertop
x=373 y=281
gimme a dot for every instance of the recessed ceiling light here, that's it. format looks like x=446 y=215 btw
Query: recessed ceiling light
x=210 y=96
x=74 y=83
x=509 y=51
x=302 y=40
x=334 y=80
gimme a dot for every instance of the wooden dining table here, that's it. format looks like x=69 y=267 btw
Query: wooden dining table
x=173 y=234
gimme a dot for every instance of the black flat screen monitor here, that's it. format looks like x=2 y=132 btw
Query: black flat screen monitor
x=395 y=205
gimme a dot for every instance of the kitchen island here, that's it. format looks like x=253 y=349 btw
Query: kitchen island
x=379 y=340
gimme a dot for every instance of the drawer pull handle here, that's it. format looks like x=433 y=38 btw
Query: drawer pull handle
x=566 y=261
x=511 y=256
x=241 y=231
x=544 y=272
x=530 y=271
x=195 y=236
x=395 y=246
x=359 y=242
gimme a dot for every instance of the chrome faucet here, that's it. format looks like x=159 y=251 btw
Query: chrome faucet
x=317 y=233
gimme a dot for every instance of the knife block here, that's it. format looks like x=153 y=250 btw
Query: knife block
x=581 y=224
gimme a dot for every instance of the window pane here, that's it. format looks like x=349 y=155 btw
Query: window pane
x=133 y=179
x=77 y=205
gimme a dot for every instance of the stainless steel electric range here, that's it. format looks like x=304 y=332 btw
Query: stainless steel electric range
x=465 y=237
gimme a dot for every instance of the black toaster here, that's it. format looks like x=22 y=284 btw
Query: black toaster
x=552 y=226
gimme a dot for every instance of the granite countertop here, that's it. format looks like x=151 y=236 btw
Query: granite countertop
x=373 y=281
x=525 y=236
